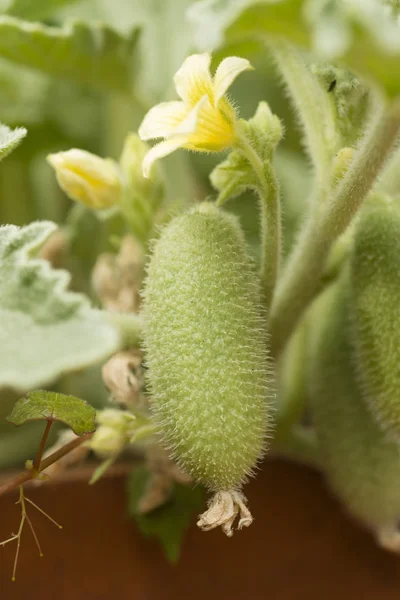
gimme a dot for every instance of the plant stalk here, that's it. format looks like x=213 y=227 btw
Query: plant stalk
x=300 y=281
x=32 y=473
x=269 y=201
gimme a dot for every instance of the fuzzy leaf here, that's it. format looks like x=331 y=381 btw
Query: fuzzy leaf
x=52 y=406
x=88 y=53
x=45 y=330
x=10 y=139
x=36 y=9
x=364 y=34
x=169 y=522
x=161 y=53
x=210 y=18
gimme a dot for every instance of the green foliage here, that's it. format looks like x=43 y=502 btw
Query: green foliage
x=52 y=406
x=365 y=36
x=142 y=197
x=206 y=348
x=26 y=9
x=169 y=522
x=161 y=52
x=236 y=174
x=83 y=52
x=10 y=139
x=45 y=329
x=362 y=466
x=375 y=292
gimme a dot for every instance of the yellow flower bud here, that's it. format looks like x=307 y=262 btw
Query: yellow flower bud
x=87 y=178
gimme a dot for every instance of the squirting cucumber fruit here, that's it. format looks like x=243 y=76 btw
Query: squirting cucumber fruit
x=375 y=305
x=206 y=350
x=361 y=463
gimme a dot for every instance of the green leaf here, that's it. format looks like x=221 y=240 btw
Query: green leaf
x=369 y=36
x=210 y=18
x=165 y=42
x=45 y=330
x=36 y=9
x=52 y=406
x=169 y=522
x=10 y=139
x=101 y=469
x=88 y=53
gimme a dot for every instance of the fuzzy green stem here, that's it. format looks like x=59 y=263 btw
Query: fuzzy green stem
x=268 y=193
x=300 y=281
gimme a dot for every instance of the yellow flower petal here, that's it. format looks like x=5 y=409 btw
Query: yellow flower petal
x=214 y=130
x=193 y=80
x=161 y=120
x=160 y=150
x=226 y=74
x=189 y=125
x=85 y=177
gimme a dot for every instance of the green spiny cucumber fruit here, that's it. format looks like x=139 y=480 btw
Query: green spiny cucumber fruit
x=375 y=305
x=361 y=463
x=206 y=350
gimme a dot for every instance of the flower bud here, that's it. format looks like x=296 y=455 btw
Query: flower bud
x=107 y=440
x=115 y=429
x=341 y=163
x=112 y=417
x=87 y=178
x=142 y=197
x=131 y=161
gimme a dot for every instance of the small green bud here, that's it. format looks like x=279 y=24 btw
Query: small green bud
x=351 y=100
x=115 y=429
x=264 y=131
x=361 y=464
x=235 y=174
x=131 y=161
x=142 y=197
x=375 y=293
x=206 y=350
x=341 y=163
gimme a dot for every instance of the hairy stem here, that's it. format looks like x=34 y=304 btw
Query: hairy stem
x=300 y=280
x=268 y=192
x=18 y=480
x=38 y=459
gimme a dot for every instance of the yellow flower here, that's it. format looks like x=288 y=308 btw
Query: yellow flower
x=204 y=120
x=85 y=177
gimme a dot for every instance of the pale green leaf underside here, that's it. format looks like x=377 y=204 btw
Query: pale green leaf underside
x=52 y=406
x=45 y=330
x=235 y=21
x=88 y=53
x=35 y=9
x=10 y=139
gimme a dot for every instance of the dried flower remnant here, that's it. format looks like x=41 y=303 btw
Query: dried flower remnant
x=117 y=278
x=123 y=377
